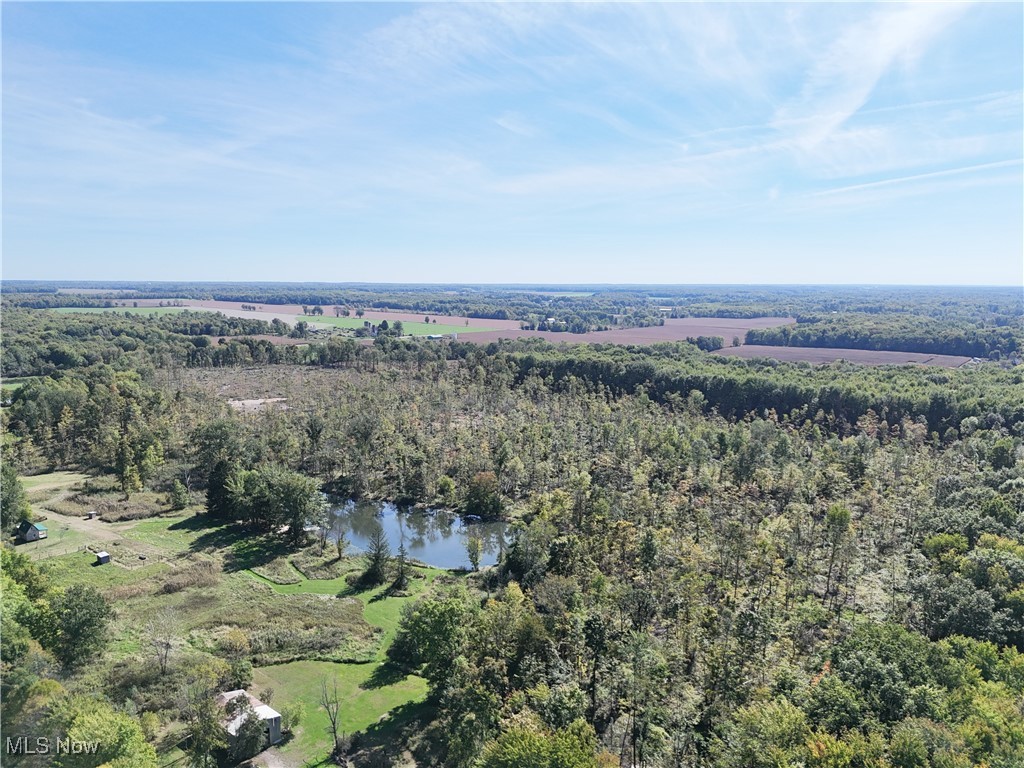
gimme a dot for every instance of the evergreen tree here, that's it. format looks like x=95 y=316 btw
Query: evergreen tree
x=401 y=582
x=378 y=557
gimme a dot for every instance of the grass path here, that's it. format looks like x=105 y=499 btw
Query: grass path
x=368 y=692
x=52 y=481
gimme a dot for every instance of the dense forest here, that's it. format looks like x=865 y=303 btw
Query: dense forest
x=41 y=343
x=713 y=562
x=901 y=333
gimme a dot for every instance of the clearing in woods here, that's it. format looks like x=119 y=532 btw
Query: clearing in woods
x=221 y=576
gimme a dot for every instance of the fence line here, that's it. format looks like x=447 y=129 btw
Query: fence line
x=39 y=553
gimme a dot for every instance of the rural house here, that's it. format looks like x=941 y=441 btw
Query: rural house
x=271 y=718
x=28 y=531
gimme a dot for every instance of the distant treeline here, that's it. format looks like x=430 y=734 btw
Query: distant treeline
x=899 y=333
x=40 y=343
x=575 y=308
x=560 y=313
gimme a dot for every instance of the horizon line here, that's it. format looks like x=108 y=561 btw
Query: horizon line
x=498 y=284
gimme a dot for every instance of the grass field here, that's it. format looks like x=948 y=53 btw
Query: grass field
x=364 y=700
x=408 y=328
x=11 y=384
x=129 y=310
x=54 y=481
x=366 y=695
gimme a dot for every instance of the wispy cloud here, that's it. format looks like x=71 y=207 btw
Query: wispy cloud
x=450 y=117
x=844 y=76
x=916 y=177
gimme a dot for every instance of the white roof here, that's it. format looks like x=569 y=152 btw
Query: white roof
x=263 y=711
x=103 y=554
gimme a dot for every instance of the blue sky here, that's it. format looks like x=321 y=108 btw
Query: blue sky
x=654 y=143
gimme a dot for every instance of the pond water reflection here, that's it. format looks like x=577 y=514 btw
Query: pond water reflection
x=435 y=537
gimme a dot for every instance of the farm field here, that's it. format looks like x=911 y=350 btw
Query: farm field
x=288 y=313
x=140 y=310
x=821 y=355
x=674 y=329
x=409 y=327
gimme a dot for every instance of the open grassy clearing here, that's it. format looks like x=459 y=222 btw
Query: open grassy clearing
x=410 y=328
x=53 y=481
x=368 y=691
x=365 y=699
x=11 y=384
x=213 y=578
x=129 y=310
x=379 y=608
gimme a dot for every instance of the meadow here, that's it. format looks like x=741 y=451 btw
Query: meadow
x=213 y=577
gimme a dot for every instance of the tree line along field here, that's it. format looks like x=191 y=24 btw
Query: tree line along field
x=712 y=562
x=132 y=310
x=409 y=327
x=972 y=322
x=824 y=355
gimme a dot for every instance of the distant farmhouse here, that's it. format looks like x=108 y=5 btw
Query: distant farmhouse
x=31 y=531
x=271 y=717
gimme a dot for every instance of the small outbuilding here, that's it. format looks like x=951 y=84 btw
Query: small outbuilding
x=29 y=531
x=102 y=558
x=270 y=717
x=91 y=514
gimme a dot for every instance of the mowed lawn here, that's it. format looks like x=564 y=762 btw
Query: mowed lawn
x=364 y=700
x=408 y=328
x=366 y=695
x=61 y=537
x=129 y=310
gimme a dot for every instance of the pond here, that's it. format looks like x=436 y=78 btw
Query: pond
x=435 y=537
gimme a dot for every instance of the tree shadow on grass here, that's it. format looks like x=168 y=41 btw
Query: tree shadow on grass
x=245 y=547
x=357 y=585
x=216 y=534
x=384 y=675
x=255 y=550
x=383 y=743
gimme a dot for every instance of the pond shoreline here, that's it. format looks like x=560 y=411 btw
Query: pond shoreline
x=436 y=537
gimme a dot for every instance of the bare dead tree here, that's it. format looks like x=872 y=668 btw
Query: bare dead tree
x=331 y=702
x=160 y=634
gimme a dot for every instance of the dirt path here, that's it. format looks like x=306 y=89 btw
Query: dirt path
x=58 y=486
x=95 y=529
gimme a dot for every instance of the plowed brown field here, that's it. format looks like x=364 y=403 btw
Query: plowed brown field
x=820 y=355
x=674 y=329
